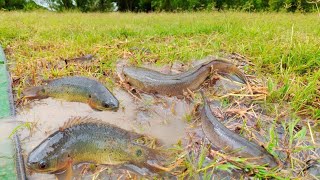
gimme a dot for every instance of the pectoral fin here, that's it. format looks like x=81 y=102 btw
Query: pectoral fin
x=68 y=173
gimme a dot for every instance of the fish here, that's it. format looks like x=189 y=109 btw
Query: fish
x=151 y=81
x=230 y=142
x=84 y=58
x=76 y=89
x=89 y=140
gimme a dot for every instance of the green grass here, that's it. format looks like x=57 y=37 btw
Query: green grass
x=285 y=49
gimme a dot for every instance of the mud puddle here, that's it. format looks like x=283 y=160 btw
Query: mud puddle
x=161 y=120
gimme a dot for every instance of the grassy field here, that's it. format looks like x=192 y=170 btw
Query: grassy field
x=284 y=48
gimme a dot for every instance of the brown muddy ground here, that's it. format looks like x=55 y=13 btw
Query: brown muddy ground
x=163 y=121
x=170 y=120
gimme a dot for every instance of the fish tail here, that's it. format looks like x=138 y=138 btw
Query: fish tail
x=33 y=92
x=229 y=70
x=233 y=73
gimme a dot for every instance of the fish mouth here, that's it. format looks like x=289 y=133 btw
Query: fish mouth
x=100 y=108
x=31 y=167
x=115 y=108
x=103 y=106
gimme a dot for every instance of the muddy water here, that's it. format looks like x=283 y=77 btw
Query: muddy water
x=162 y=120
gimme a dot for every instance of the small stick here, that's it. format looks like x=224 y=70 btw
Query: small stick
x=310 y=130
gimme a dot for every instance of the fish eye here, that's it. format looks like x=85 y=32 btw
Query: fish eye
x=105 y=104
x=90 y=96
x=138 y=152
x=42 y=164
x=43 y=90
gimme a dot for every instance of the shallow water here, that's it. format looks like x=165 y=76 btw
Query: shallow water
x=163 y=121
x=163 y=118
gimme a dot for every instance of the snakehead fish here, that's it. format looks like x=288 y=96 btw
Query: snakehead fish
x=87 y=140
x=175 y=84
x=230 y=142
x=77 y=89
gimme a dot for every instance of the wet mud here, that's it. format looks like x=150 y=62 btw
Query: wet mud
x=167 y=119
x=163 y=120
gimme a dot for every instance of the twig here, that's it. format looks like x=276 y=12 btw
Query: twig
x=311 y=134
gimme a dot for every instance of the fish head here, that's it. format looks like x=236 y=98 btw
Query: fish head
x=149 y=159
x=38 y=92
x=103 y=102
x=128 y=71
x=141 y=155
x=49 y=156
x=136 y=153
x=134 y=75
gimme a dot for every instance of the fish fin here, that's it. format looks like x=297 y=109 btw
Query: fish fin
x=67 y=174
x=76 y=120
x=92 y=105
x=33 y=92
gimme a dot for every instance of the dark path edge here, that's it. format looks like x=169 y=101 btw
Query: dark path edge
x=20 y=167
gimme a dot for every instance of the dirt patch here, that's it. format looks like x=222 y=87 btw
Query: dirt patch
x=173 y=122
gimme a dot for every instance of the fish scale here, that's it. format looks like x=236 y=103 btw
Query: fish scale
x=77 y=89
x=176 y=84
x=87 y=140
x=230 y=142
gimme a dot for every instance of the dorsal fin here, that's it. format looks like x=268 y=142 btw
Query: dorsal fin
x=77 y=120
